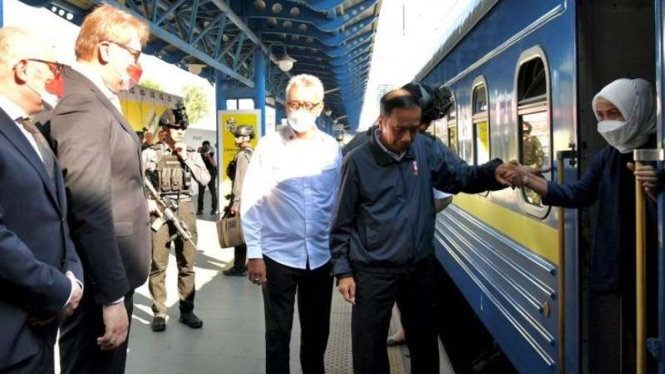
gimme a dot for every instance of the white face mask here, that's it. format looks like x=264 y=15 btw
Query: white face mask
x=621 y=135
x=301 y=121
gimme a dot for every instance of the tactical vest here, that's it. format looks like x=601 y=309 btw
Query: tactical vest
x=173 y=177
x=231 y=167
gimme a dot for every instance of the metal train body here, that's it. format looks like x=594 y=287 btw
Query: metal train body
x=500 y=250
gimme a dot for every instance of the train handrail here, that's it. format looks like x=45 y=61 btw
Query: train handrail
x=641 y=155
x=560 y=157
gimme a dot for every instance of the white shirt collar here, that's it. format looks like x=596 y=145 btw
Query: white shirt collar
x=13 y=110
x=96 y=79
x=392 y=154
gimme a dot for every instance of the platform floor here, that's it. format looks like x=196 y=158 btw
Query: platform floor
x=232 y=338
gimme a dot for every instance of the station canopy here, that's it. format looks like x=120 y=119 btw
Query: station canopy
x=331 y=39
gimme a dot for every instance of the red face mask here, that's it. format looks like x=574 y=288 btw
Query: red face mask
x=134 y=71
x=56 y=86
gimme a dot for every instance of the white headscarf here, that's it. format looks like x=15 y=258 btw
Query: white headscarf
x=635 y=100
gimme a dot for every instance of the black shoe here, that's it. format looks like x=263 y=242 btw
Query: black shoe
x=190 y=319
x=213 y=211
x=199 y=212
x=158 y=323
x=235 y=272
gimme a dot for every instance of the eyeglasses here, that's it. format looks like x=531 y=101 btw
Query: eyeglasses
x=296 y=105
x=55 y=67
x=135 y=53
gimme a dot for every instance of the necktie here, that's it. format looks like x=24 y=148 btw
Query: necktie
x=47 y=155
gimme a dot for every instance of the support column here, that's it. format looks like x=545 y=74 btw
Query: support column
x=220 y=104
x=260 y=85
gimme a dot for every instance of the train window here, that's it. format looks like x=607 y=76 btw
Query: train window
x=533 y=115
x=451 y=120
x=481 y=128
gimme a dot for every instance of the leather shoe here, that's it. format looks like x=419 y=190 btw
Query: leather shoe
x=235 y=272
x=191 y=320
x=158 y=323
x=213 y=211
x=199 y=212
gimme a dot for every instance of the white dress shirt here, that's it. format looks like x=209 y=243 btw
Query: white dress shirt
x=288 y=197
x=97 y=80
x=16 y=113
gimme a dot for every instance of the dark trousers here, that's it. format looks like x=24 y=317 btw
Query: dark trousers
x=41 y=362
x=370 y=320
x=240 y=256
x=212 y=185
x=314 y=288
x=79 y=352
x=185 y=254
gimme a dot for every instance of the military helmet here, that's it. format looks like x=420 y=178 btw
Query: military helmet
x=244 y=130
x=176 y=117
x=526 y=127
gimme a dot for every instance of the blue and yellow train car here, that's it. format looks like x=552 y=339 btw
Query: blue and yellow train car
x=523 y=74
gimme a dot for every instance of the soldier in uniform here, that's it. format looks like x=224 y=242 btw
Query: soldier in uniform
x=533 y=156
x=170 y=166
x=236 y=172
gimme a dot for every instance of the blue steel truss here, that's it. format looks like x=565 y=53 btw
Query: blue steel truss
x=331 y=39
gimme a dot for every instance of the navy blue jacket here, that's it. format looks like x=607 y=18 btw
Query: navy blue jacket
x=612 y=184
x=384 y=217
x=35 y=248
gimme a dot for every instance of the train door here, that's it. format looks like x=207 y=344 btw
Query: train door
x=615 y=40
x=660 y=91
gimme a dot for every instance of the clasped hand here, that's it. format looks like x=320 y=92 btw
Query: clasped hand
x=513 y=174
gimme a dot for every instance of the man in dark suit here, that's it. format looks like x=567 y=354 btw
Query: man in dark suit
x=39 y=267
x=101 y=158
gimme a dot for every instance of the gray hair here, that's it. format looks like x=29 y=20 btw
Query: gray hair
x=306 y=80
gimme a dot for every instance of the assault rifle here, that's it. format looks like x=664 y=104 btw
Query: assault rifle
x=168 y=214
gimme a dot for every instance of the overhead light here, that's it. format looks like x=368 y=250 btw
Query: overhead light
x=286 y=63
x=195 y=68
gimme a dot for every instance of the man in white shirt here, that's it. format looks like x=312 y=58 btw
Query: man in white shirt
x=286 y=207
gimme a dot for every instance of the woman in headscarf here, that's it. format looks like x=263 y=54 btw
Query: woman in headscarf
x=626 y=114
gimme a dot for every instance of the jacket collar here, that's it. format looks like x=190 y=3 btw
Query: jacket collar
x=381 y=156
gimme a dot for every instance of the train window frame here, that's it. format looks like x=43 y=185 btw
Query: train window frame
x=532 y=105
x=454 y=123
x=478 y=117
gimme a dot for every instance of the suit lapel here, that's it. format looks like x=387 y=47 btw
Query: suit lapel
x=23 y=146
x=73 y=74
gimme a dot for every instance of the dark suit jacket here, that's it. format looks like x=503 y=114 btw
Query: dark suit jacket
x=101 y=158
x=35 y=249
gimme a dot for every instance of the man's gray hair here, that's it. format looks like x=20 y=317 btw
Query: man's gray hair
x=306 y=80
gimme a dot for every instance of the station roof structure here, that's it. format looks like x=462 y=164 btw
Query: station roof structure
x=332 y=39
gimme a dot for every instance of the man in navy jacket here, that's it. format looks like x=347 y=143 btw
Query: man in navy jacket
x=383 y=228
x=40 y=272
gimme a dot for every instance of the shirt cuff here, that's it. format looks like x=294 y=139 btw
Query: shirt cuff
x=254 y=251
x=117 y=301
x=71 y=293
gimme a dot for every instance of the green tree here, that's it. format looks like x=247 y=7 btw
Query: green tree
x=148 y=83
x=196 y=103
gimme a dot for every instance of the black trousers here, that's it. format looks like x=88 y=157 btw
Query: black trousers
x=41 y=362
x=212 y=185
x=79 y=352
x=314 y=289
x=370 y=321
x=240 y=256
